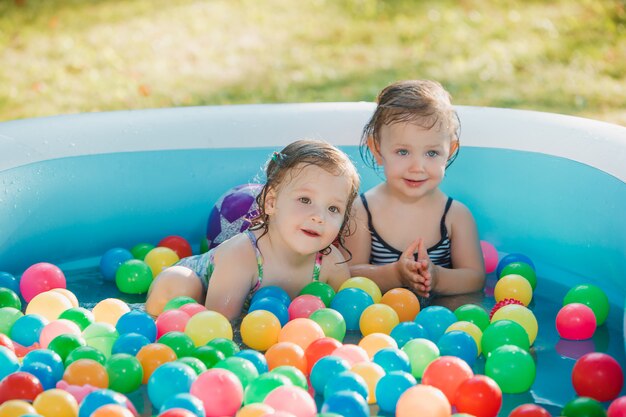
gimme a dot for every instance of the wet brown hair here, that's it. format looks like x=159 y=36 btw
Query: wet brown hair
x=422 y=102
x=296 y=156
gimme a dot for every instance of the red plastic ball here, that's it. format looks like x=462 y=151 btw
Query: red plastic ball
x=503 y=303
x=575 y=321
x=318 y=349
x=617 y=408
x=598 y=376
x=529 y=410
x=20 y=386
x=177 y=244
x=479 y=396
x=6 y=342
x=177 y=412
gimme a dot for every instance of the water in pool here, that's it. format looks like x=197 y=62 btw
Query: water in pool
x=554 y=357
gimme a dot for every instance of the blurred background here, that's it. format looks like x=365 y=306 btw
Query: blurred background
x=71 y=56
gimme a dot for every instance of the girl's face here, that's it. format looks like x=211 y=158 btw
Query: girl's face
x=308 y=209
x=414 y=158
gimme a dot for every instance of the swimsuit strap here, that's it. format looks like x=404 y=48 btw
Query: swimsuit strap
x=442 y=227
x=259 y=258
x=317 y=268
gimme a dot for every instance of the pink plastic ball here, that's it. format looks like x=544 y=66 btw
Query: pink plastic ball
x=171 y=321
x=575 y=321
x=490 y=256
x=352 y=353
x=39 y=278
x=292 y=399
x=617 y=408
x=192 y=308
x=220 y=391
x=56 y=328
x=304 y=305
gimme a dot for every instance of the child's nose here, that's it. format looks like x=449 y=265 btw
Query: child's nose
x=417 y=164
x=317 y=216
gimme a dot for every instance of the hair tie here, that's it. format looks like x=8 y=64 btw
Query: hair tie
x=277 y=156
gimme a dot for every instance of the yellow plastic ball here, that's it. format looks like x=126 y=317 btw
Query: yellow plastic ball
x=48 y=304
x=366 y=285
x=374 y=342
x=68 y=294
x=255 y=410
x=378 y=318
x=160 y=258
x=522 y=316
x=16 y=408
x=513 y=286
x=208 y=325
x=56 y=403
x=423 y=400
x=260 y=329
x=371 y=373
x=110 y=310
x=469 y=328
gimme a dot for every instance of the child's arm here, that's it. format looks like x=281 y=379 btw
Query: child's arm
x=468 y=272
x=232 y=278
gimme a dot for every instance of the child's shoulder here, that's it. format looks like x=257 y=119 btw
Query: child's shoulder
x=236 y=247
x=334 y=269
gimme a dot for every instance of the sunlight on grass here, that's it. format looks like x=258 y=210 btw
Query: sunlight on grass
x=76 y=56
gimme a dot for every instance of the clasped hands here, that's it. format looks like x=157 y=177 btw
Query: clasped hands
x=416 y=274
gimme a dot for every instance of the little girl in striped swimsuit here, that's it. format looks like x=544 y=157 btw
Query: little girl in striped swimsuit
x=303 y=208
x=413 y=136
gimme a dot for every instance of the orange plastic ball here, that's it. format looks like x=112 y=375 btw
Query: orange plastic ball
x=403 y=301
x=301 y=331
x=447 y=373
x=286 y=354
x=423 y=400
x=86 y=371
x=152 y=356
x=374 y=342
x=112 y=410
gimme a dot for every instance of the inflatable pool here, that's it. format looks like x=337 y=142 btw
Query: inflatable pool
x=549 y=186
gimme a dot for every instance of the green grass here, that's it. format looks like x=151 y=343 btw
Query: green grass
x=69 y=56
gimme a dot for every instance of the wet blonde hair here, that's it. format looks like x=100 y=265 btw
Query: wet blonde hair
x=296 y=156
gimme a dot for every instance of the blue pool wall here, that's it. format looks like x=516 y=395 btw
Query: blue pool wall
x=72 y=187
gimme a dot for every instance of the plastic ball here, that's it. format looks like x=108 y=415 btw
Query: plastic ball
x=435 y=319
x=256 y=358
x=208 y=325
x=352 y=353
x=322 y=290
x=378 y=318
x=8 y=298
x=272 y=305
x=40 y=278
x=56 y=402
x=20 y=386
x=583 y=407
x=447 y=373
x=296 y=376
x=512 y=368
x=258 y=389
x=272 y=291
x=16 y=408
x=346 y=404
x=286 y=354
x=110 y=310
x=260 y=329
x=48 y=304
x=178 y=244
x=125 y=373
x=374 y=342
x=101 y=336
x=181 y=344
x=177 y=412
x=479 y=396
x=243 y=369
x=56 y=328
x=140 y=250
x=112 y=260
x=99 y=398
x=67 y=294
x=504 y=332
x=593 y=297
x=371 y=373
x=184 y=401
x=392 y=359
x=159 y=259
x=8 y=362
x=9 y=281
x=303 y=305
x=490 y=256
x=136 y=321
x=598 y=376
x=406 y=331
x=502 y=303
x=617 y=408
x=48 y=357
x=6 y=342
x=513 y=286
x=209 y=355
x=331 y=321
x=459 y=344
x=27 y=329
x=575 y=321
x=423 y=400
x=513 y=257
x=522 y=316
x=224 y=345
x=194 y=363
x=232 y=213
x=421 y=353
x=391 y=387
x=133 y=277
x=42 y=372
x=365 y=284
x=86 y=371
x=168 y=380
x=469 y=328
x=350 y=303
x=523 y=269
x=171 y=321
x=129 y=343
x=192 y=308
x=301 y=331
x=325 y=369
x=255 y=410
x=81 y=316
x=152 y=356
x=178 y=302
x=318 y=349
x=403 y=301
x=64 y=344
x=112 y=410
x=529 y=410
x=293 y=400
x=474 y=314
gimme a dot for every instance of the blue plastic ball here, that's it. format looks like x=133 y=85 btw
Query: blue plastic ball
x=459 y=344
x=111 y=261
x=435 y=319
x=273 y=305
x=272 y=291
x=257 y=359
x=406 y=331
x=325 y=369
x=27 y=329
x=347 y=380
x=129 y=343
x=169 y=379
x=392 y=359
x=9 y=281
x=390 y=387
x=50 y=358
x=8 y=362
x=347 y=404
x=97 y=399
x=43 y=373
x=350 y=303
x=185 y=401
x=513 y=257
x=136 y=321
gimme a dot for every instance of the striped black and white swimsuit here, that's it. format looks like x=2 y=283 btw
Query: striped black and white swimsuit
x=383 y=253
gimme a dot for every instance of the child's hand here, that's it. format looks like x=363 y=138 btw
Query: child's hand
x=425 y=268
x=409 y=269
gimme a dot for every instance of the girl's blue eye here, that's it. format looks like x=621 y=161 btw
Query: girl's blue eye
x=402 y=152
x=432 y=154
x=334 y=209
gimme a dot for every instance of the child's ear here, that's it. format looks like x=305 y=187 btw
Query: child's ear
x=270 y=201
x=373 y=147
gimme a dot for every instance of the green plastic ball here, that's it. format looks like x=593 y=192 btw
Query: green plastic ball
x=583 y=407
x=321 y=290
x=140 y=250
x=474 y=314
x=258 y=389
x=204 y=245
x=133 y=277
x=81 y=316
x=243 y=369
x=177 y=302
x=501 y=333
x=125 y=373
x=421 y=353
x=64 y=344
x=194 y=363
x=8 y=316
x=331 y=321
x=523 y=269
x=180 y=343
x=295 y=375
x=101 y=336
x=9 y=298
x=226 y=346
x=591 y=296
x=209 y=355
x=85 y=352
x=512 y=368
